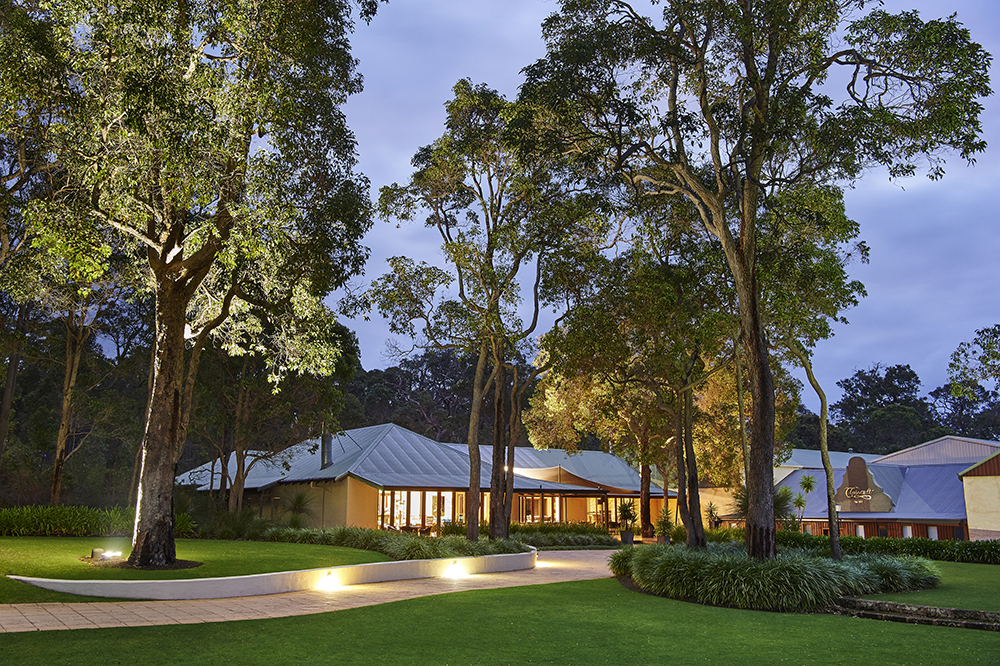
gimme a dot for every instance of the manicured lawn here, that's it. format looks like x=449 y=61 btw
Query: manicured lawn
x=589 y=623
x=57 y=557
x=975 y=586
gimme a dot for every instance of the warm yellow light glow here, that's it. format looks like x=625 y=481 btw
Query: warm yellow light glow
x=545 y=564
x=328 y=583
x=109 y=554
x=455 y=570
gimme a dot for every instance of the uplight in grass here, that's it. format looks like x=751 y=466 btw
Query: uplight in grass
x=107 y=555
x=328 y=583
x=455 y=570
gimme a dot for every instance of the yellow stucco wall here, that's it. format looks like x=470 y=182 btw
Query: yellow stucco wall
x=362 y=506
x=982 y=505
x=576 y=510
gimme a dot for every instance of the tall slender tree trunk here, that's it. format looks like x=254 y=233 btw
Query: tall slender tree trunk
x=76 y=338
x=696 y=534
x=10 y=382
x=475 y=466
x=831 y=491
x=645 y=517
x=498 y=479
x=682 y=500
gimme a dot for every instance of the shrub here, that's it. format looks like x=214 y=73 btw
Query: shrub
x=976 y=552
x=65 y=521
x=796 y=580
x=620 y=562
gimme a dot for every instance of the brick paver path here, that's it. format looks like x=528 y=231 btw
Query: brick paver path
x=553 y=567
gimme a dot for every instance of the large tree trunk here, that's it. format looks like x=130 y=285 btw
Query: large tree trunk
x=475 y=474
x=760 y=525
x=153 y=536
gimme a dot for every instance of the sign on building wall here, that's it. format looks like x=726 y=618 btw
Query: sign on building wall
x=858 y=491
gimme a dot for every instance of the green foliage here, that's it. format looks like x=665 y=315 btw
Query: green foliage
x=626 y=511
x=795 y=581
x=981 y=552
x=65 y=521
x=184 y=526
x=620 y=561
x=663 y=524
x=243 y=524
x=396 y=545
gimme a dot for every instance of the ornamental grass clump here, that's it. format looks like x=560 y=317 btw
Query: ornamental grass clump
x=794 y=581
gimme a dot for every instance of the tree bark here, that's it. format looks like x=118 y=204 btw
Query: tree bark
x=475 y=466
x=832 y=518
x=696 y=535
x=645 y=519
x=498 y=479
x=76 y=338
x=10 y=383
x=153 y=535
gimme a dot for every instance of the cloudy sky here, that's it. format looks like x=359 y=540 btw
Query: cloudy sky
x=935 y=246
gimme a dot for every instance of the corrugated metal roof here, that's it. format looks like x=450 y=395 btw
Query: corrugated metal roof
x=606 y=470
x=263 y=473
x=388 y=456
x=988 y=467
x=919 y=492
x=810 y=458
x=943 y=451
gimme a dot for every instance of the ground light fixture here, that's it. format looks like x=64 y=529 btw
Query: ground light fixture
x=328 y=583
x=455 y=570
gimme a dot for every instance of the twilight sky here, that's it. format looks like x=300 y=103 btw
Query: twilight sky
x=935 y=246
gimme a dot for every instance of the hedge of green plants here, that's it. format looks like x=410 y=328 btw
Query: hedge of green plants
x=396 y=545
x=66 y=521
x=975 y=552
x=548 y=535
x=794 y=581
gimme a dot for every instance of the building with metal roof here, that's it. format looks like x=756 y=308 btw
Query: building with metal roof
x=390 y=477
x=916 y=492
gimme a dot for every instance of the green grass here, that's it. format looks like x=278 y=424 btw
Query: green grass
x=590 y=623
x=57 y=557
x=975 y=586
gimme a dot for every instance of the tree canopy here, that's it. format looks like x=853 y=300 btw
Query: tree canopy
x=726 y=105
x=209 y=141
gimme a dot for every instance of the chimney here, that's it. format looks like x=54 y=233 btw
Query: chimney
x=326 y=450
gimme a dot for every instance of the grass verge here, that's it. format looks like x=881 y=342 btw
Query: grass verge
x=57 y=557
x=590 y=622
x=973 y=586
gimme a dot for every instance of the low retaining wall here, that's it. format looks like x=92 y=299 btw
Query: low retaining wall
x=286 y=581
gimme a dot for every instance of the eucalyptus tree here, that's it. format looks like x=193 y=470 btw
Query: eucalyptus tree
x=209 y=139
x=808 y=245
x=513 y=225
x=657 y=321
x=570 y=406
x=241 y=415
x=724 y=104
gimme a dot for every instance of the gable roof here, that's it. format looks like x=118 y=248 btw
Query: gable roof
x=918 y=492
x=988 y=467
x=385 y=456
x=597 y=468
x=943 y=451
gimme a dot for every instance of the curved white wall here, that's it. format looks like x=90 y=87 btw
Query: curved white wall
x=287 y=581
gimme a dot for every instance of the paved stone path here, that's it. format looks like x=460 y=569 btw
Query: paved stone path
x=553 y=567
